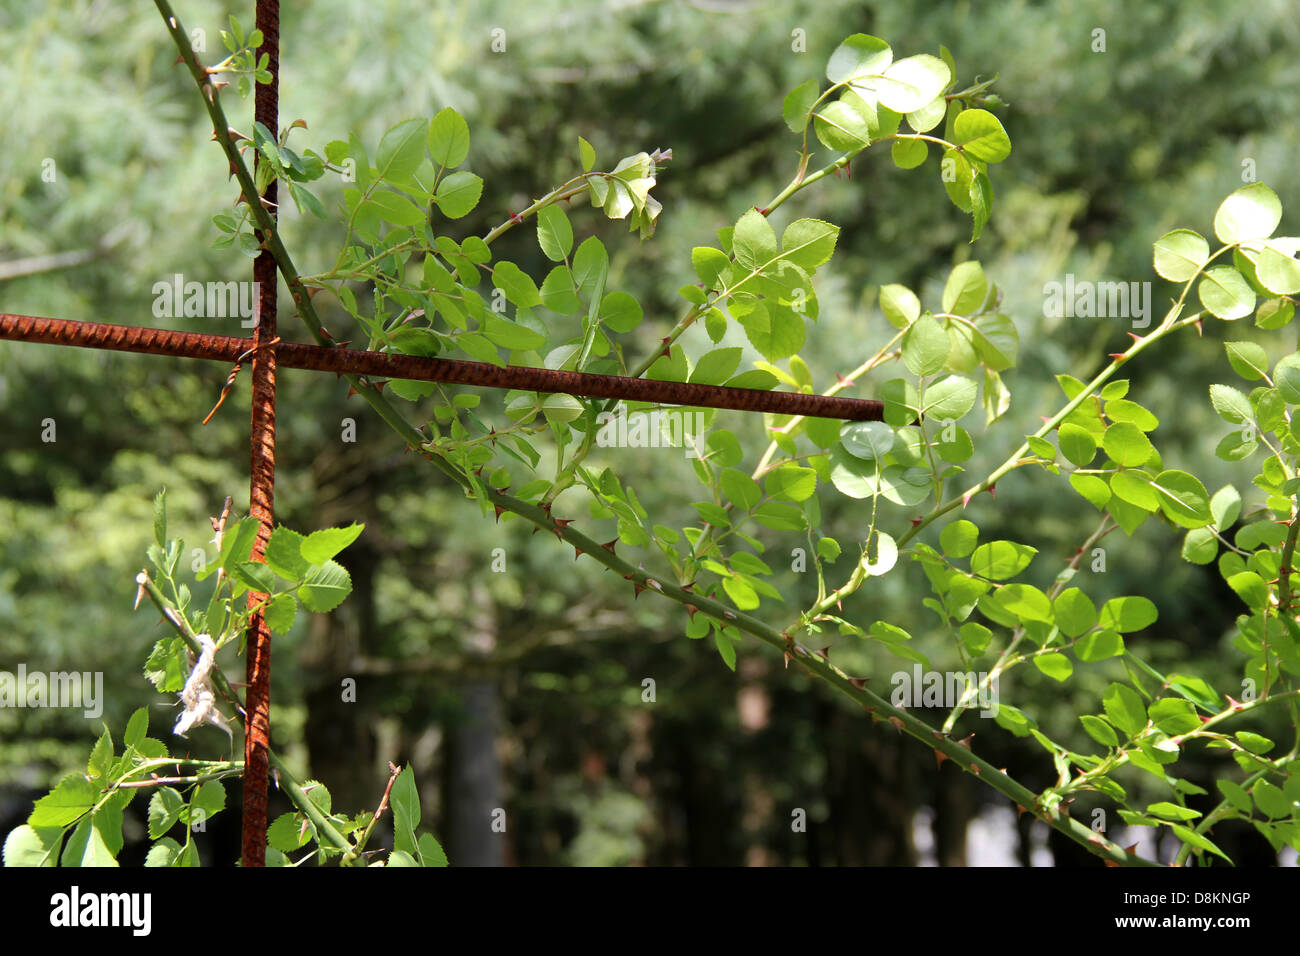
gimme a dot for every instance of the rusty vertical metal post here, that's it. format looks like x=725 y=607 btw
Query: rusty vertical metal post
x=257 y=696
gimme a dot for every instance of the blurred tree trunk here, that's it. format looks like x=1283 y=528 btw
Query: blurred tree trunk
x=474 y=779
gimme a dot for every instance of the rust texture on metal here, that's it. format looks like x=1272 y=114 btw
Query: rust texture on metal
x=257 y=697
x=451 y=371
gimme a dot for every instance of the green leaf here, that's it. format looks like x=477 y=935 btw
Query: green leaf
x=1093 y=489
x=715 y=367
x=458 y=194
x=1180 y=254
x=925 y=346
x=911 y=83
x=966 y=289
x=1278 y=272
x=980 y=134
x=797 y=104
x=1077 y=444
x=1099 y=730
x=868 y=440
x=1171 y=811
x=160 y=518
x=517 y=285
x=859 y=55
x=1127 y=614
x=1124 y=709
x=726 y=649
x=86 y=847
x=1271 y=800
x=29 y=846
x=554 y=233
x=284 y=554
x=909 y=153
x=281 y=612
x=165 y=808
x=587 y=154
x=448 y=138
x=1192 y=838
x=841 y=128
x=1074 y=612
x=319 y=546
x=66 y=803
x=1225 y=293
x=1286 y=376
x=791 y=483
x=709 y=265
x=959 y=538
x=1174 y=715
x=1196 y=690
x=1000 y=560
x=740 y=488
x=900 y=305
x=406 y=812
x=401 y=150
x=1127 y=445
x=255 y=576
x=754 y=241
x=1183 y=499
x=431 y=851
x=1234 y=406
x=1235 y=795
x=1054 y=665
x=620 y=312
x=1251 y=212
x=809 y=243
x=1098 y=646
x=325 y=588
x=950 y=398
x=1274 y=313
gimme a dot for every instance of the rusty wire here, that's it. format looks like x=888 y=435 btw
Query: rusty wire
x=125 y=338
x=257 y=697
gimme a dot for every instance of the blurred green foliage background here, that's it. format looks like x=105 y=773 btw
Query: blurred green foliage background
x=523 y=689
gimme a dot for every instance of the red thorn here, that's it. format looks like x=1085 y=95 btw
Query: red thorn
x=563 y=522
x=498 y=510
x=859 y=682
x=825 y=653
x=1135 y=337
x=636 y=590
x=965 y=741
x=692 y=610
x=689 y=587
x=577 y=552
x=939 y=758
x=1020 y=811
x=916 y=522
x=764 y=211
x=975 y=769
x=993 y=489
x=609 y=545
x=1117 y=356
x=897 y=722
x=965 y=499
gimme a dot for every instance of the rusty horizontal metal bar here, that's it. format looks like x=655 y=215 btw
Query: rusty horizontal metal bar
x=125 y=338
